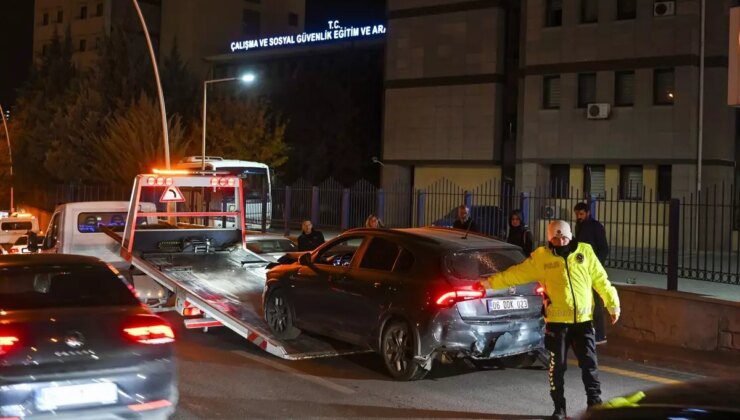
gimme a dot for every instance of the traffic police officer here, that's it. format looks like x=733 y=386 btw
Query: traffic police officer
x=568 y=270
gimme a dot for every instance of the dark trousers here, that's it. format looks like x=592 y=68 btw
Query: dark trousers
x=580 y=336
x=599 y=318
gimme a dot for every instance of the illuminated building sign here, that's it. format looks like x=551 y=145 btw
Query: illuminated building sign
x=334 y=32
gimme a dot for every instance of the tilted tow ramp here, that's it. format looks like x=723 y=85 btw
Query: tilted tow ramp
x=194 y=245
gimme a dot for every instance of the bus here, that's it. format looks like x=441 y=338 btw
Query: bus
x=256 y=184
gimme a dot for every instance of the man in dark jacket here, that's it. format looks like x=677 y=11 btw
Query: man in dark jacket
x=463 y=221
x=310 y=239
x=590 y=231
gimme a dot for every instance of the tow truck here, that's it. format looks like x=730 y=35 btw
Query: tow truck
x=194 y=244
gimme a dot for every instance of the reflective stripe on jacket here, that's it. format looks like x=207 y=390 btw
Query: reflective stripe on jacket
x=568 y=284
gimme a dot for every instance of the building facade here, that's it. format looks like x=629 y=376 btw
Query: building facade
x=88 y=22
x=201 y=29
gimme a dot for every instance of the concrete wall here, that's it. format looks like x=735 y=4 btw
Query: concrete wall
x=678 y=319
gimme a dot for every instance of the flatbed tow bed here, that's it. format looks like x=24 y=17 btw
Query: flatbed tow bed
x=214 y=272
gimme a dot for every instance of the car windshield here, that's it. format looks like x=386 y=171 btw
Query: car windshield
x=474 y=264
x=61 y=286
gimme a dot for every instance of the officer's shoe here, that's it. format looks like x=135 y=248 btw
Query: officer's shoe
x=559 y=414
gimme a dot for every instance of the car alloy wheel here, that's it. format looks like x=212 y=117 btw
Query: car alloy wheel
x=398 y=352
x=279 y=316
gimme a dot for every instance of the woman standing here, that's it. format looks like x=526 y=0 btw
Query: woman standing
x=519 y=233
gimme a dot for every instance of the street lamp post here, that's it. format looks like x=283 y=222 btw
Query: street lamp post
x=10 y=156
x=247 y=78
x=163 y=111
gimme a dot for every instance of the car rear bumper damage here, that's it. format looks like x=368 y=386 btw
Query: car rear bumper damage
x=450 y=335
x=144 y=390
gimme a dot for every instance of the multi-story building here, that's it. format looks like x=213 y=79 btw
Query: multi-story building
x=202 y=29
x=609 y=97
x=88 y=22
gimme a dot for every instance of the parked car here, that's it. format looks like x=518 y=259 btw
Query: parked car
x=491 y=220
x=698 y=399
x=75 y=341
x=270 y=247
x=17 y=225
x=20 y=246
x=410 y=294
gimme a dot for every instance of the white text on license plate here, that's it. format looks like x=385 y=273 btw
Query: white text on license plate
x=507 y=304
x=59 y=396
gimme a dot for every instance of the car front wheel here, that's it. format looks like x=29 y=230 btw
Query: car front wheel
x=398 y=352
x=279 y=316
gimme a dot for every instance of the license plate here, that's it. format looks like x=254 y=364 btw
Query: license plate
x=507 y=304
x=61 y=396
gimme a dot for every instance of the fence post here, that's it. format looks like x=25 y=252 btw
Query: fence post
x=344 y=220
x=315 y=206
x=673 y=230
x=380 y=204
x=286 y=210
x=468 y=200
x=420 y=208
x=593 y=205
x=524 y=207
x=264 y=210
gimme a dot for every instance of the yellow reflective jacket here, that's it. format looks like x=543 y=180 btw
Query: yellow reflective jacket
x=568 y=284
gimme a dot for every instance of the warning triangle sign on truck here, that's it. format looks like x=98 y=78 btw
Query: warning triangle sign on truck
x=172 y=195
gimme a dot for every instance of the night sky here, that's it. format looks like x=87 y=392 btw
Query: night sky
x=16 y=33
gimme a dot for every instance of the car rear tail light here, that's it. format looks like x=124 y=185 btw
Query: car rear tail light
x=449 y=298
x=7 y=342
x=13 y=250
x=191 y=311
x=149 y=329
x=540 y=290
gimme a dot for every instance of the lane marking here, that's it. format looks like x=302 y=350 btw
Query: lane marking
x=632 y=374
x=310 y=378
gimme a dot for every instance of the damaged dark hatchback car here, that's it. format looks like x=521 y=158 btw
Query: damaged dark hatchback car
x=412 y=295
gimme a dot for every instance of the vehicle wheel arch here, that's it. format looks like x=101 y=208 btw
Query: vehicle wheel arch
x=392 y=316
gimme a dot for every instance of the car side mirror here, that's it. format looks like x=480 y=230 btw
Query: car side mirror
x=305 y=259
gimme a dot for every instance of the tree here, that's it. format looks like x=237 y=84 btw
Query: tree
x=246 y=130
x=132 y=143
x=179 y=85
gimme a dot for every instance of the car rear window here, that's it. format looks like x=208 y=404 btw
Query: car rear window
x=24 y=226
x=23 y=240
x=91 y=222
x=39 y=287
x=474 y=264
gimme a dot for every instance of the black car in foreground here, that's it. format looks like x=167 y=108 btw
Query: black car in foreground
x=410 y=294
x=76 y=342
x=698 y=399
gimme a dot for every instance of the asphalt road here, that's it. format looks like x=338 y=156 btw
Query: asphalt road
x=222 y=375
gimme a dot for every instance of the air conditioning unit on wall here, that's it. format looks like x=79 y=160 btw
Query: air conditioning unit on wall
x=664 y=8
x=597 y=111
x=550 y=212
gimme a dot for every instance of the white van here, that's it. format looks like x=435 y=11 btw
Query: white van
x=74 y=228
x=15 y=226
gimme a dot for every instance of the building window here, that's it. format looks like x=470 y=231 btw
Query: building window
x=554 y=13
x=626 y=9
x=83 y=44
x=594 y=180
x=551 y=92
x=630 y=182
x=83 y=12
x=45 y=19
x=664 y=183
x=586 y=89
x=251 y=23
x=559 y=181
x=99 y=9
x=293 y=19
x=664 y=92
x=60 y=16
x=624 y=88
x=589 y=11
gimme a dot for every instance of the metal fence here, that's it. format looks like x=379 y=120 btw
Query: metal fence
x=694 y=236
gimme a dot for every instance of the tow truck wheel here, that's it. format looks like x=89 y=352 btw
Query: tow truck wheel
x=279 y=316
x=398 y=352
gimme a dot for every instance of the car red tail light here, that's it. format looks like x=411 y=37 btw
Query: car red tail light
x=449 y=298
x=14 y=250
x=540 y=290
x=149 y=329
x=7 y=342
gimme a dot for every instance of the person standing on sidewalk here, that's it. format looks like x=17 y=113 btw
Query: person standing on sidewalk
x=310 y=239
x=590 y=231
x=464 y=221
x=519 y=233
x=568 y=270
